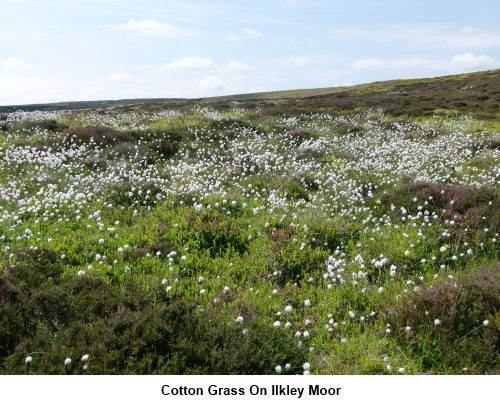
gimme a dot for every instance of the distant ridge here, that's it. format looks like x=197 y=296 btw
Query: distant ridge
x=477 y=92
x=78 y=105
x=354 y=89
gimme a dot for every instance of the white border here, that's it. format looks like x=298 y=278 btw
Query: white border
x=369 y=390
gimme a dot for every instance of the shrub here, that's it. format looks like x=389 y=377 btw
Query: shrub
x=131 y=329
x=126 y=194
x=35 y=266
x=166 y=148
x=95 y=163
x=298 y=136
x=299 y=187
x=50 y=125
x=460 y=340
x=217 y=234
x=293 y=265
x=309 y=154
x=471 y=203
x=330 y=236
x=132 y=152
x=103 y=136
x=492 y=143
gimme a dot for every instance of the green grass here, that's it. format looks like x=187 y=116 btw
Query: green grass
x=223 y=238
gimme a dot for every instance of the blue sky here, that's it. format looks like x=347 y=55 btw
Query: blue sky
x=55 y=50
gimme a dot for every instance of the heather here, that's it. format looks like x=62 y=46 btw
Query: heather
x=256 y=237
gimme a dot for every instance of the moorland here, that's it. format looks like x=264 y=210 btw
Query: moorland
x=349 y=230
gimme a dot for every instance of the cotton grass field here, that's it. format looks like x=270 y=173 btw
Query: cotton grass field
x=256 y=237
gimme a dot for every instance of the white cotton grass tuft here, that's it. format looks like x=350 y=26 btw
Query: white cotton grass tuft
x=28 y=360
x=85 y=357
x=67 y=362
x=437 y=322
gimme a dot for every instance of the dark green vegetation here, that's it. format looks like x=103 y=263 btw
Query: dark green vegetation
x=127 y=328
x=76 y=105
x=461 y=304
x=355 y=230
x=476 y=94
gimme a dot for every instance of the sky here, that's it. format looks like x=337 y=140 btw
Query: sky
x=73 y=50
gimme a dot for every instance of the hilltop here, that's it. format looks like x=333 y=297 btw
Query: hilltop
x=476 y=94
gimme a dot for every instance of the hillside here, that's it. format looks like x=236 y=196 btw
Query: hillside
x=340 y=231
x=477 y=94
x=79 y=105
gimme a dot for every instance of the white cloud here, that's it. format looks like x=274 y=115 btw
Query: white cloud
x=423 y=37
x=188 y=63
x=150 y=28
x=300 y=61
x=469 y=60
x=465 y=40
x=212 y=83
x=258 y=90
x=119 y=77
x=192 y=63
x=459 y=62
x=246 y=33
x=252 y=33
x=369 y=64
x=234 y=66
x=92 y=91
x=231 y=37
x=12 y=63
x=395 y=64
x=468 y=30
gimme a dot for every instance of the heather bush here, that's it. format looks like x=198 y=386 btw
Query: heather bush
x=51 y=125
x=123 y=332
x=102 y=136
x=298 y=136
x=216 y=233
x=453 y=324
